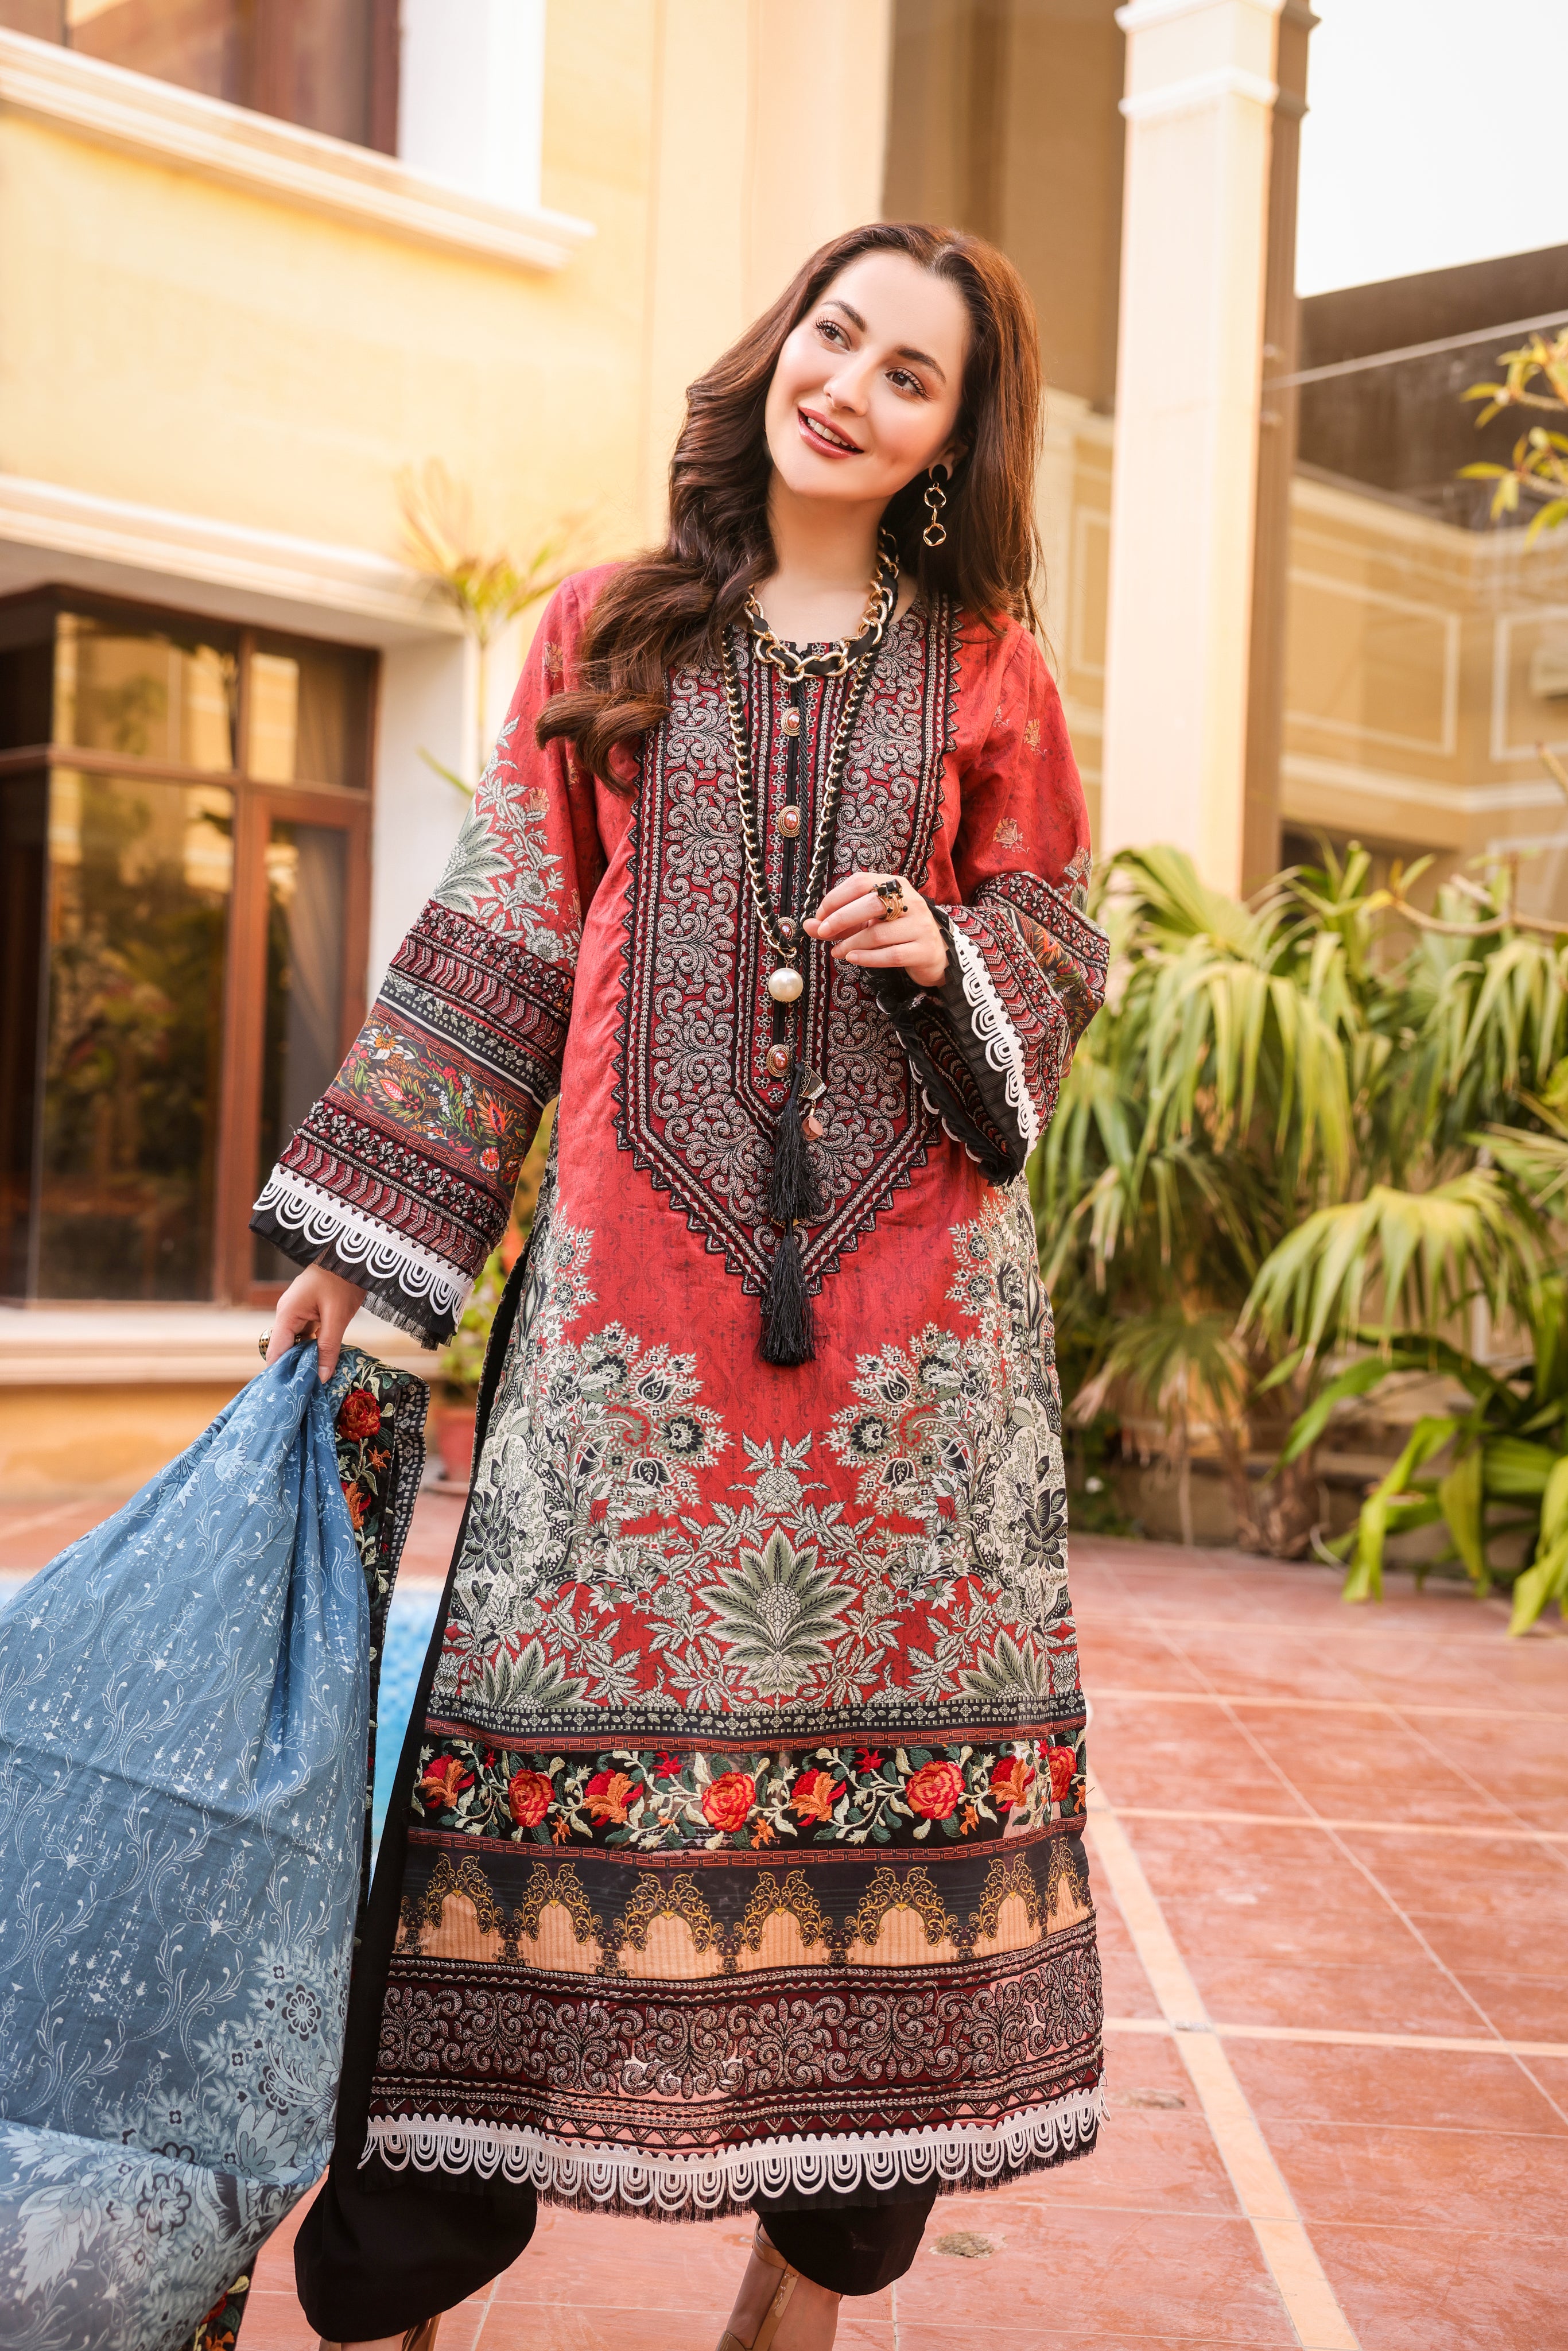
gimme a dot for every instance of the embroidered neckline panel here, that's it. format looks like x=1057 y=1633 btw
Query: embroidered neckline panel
x=695 y=1102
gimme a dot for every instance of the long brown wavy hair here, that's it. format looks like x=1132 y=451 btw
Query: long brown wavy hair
x=670 y=606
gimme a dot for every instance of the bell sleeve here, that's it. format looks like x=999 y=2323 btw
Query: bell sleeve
x=1026 y=966
x=402 y=1176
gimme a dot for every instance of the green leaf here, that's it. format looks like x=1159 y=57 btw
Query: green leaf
x=1515 y=1467
x=1461 y=1499
x=1389 y=1509
x=1554 y=1506
x=1545 y=1580
x=1361 y=1377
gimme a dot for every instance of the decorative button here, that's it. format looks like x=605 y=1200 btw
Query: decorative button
x=788 y=823
x=791 y=722
x=787 y=926
x=784 y=985
x=779 y=1061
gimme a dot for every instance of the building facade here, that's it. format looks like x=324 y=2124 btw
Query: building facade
x=261 y=264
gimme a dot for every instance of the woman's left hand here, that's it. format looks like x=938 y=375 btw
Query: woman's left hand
x=854 y=921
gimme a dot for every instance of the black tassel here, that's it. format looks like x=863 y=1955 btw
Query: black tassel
x=792 y=1193
x=788 y=1333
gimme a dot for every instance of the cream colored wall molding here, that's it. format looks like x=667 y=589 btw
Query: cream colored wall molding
x=1198 y=90
x=1443 y=617
x=1503 y=627
x=1415 y=793
x=1364 y=510
x=1197 y=25
x=273 y=160
x=258 y=563
x=1139 y=15
x=1385 y=519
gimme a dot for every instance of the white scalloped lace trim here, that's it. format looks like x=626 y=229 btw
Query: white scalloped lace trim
x=325 y=1222
x=956 y=2155
x=1004 y=1047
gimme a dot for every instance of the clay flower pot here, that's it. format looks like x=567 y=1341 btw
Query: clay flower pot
x=455 y=1439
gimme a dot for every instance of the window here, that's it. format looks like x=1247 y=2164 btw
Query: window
x=183 y=893
x=329 y=65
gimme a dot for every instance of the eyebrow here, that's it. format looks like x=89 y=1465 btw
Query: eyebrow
x=906 y=350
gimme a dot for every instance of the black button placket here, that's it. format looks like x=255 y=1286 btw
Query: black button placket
x=794 y=691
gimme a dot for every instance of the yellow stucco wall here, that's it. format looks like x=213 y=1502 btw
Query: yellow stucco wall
x=183 y=344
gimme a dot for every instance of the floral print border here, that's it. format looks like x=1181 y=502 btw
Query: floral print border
x=656 y=1800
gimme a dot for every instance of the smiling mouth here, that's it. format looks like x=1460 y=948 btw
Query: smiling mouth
x=823 y=435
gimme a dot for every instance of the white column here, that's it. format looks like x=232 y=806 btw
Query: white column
x=427 y=703
x=1199 y=101
x=470 y=104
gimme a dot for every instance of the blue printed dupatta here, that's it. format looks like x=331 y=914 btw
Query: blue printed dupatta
x=186 y=1727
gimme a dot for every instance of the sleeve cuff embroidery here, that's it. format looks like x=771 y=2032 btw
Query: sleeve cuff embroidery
x=993 y=1033
x=409 y=1286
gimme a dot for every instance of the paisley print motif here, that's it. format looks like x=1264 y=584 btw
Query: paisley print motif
x=905 y=1567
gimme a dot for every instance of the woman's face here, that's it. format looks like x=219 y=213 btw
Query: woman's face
x=866 y=391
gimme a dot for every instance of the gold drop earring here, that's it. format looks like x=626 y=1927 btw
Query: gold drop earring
x=936 y=532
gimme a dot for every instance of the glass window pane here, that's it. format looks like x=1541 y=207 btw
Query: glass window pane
x=145 y=693
x=309 y=705
x=140 y=881
x=45 y=19
x=27 y=675
x=307 y=869
x=309 y=61
x=322 y=71
x=24 y=830
x=199 y=44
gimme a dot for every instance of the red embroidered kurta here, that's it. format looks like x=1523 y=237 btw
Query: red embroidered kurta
x=745 y=1852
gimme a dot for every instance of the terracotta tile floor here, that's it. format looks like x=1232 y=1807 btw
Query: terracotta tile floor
x=1339 y=1839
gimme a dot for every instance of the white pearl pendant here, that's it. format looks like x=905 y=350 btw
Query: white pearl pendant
x=785 y=984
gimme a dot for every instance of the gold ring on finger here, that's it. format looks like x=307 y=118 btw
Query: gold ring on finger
x=891 y=894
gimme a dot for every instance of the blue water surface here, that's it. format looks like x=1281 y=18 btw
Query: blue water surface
x=409 y=1624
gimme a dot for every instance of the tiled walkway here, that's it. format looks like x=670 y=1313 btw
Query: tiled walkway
x=1331 y=1856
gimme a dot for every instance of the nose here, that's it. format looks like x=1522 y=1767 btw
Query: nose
x=850 y=386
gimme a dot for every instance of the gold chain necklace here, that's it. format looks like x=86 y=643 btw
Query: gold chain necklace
x=834 y=659
x=783 y=932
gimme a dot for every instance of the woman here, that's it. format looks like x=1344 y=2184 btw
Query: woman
x=738 y=1862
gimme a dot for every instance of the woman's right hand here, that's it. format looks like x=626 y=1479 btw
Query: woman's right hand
x=316 y=1305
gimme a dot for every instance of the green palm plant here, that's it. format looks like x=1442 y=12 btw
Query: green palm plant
x=1304 y=1138
x=1211 y=1097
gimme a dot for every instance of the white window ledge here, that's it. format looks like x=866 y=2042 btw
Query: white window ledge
x=161 y=1346
x=250 y=563
x=273 y=159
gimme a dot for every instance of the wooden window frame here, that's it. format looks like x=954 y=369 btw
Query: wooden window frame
x=258 y=802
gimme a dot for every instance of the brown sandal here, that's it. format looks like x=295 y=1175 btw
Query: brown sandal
x=773 y=2318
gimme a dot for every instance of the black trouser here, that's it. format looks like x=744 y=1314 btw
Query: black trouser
x=372 y=2260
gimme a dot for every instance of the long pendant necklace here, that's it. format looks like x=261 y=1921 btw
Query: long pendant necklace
x=781 y=930
x=792 y=1196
